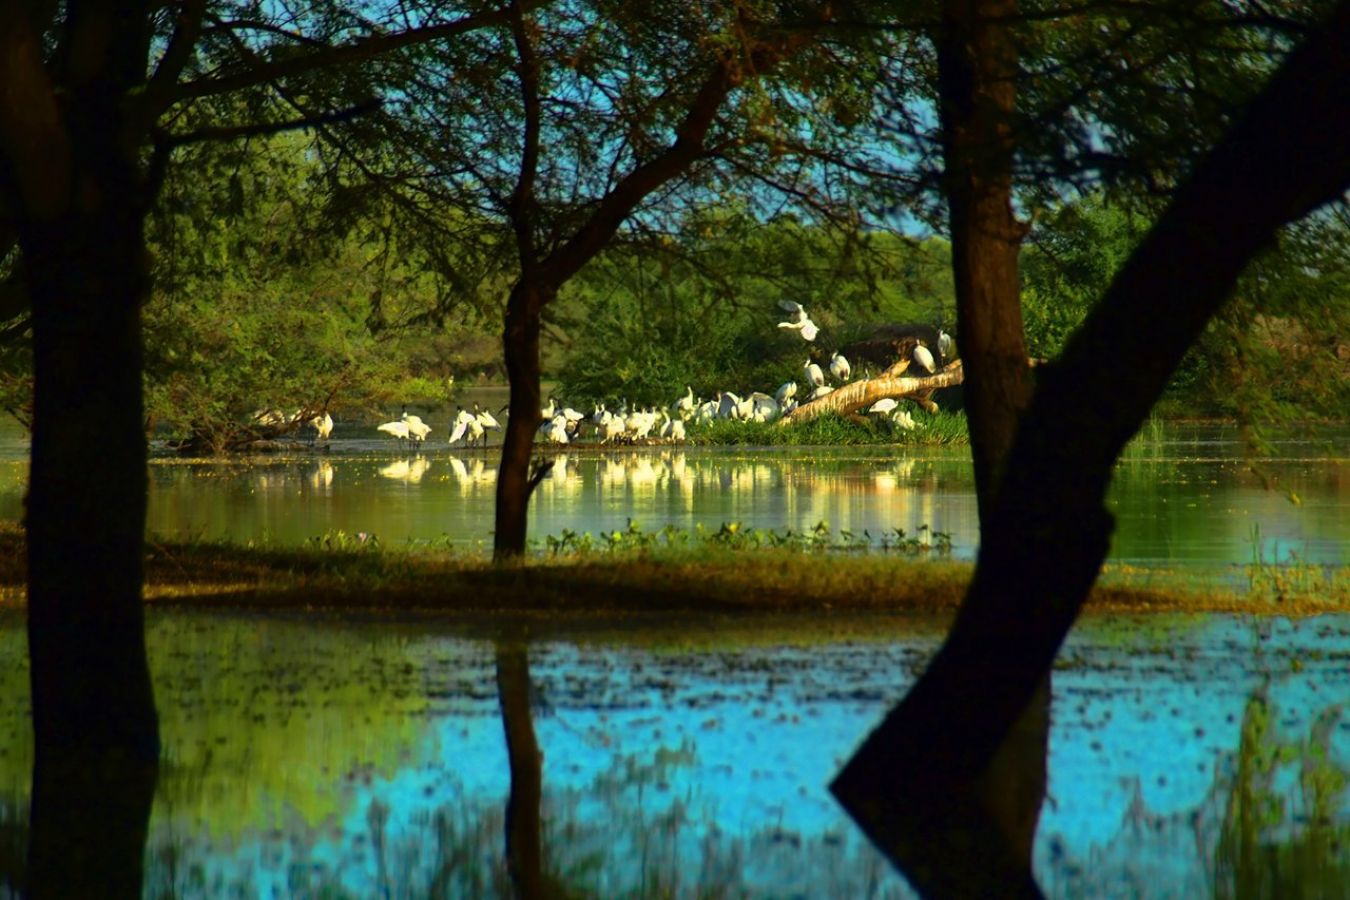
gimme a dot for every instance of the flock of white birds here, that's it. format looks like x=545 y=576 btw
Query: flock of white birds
x=562 y=424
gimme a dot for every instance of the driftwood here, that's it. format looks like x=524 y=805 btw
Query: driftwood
x=893 y=383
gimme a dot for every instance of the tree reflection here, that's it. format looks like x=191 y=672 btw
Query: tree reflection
x=523 y=851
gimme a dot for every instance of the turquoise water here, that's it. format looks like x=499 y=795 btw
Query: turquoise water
x=366 y=758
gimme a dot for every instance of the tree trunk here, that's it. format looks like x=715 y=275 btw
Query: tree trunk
x=1049 y=531
x=977 y=67
x=999 y=804
x=524 y=856
x=864 y=392
x=95 y=731
x=521 y=344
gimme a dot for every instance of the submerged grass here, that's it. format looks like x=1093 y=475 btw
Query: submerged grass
x=635 y=573
x=942 y=428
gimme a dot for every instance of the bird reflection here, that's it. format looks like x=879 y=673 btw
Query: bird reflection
x=407 y=470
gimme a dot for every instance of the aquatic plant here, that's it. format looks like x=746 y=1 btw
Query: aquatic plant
x=736 y=536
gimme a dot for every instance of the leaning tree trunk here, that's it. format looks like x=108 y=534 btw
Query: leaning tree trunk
x=521 y=344
x=862 y=393
x=95 y=730
x=1049 y=530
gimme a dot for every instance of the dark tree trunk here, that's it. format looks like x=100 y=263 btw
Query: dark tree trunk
x=524 y=856
x=977 y=68
x=94 y=723
x=993 y=810
x=521 y=344
x=1049 y=530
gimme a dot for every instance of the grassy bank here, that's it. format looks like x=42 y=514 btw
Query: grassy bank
x=635 y=577
x=940 y=429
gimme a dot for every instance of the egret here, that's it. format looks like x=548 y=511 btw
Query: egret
x=323 y=427
x=800 y=321
x=944 y=344
x=555 y=430
x=486 y=419
x=923 y=357
x=883 y=405
x=684 y=407
x=814 y=376
x=417 y=429
x=819 y=392
x=460 y=426
x=396 y=430
x=839 y=367
x=728 y=407
x=786 y=391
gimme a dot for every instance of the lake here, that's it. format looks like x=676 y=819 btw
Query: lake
x=1190 y=499
x=311 y=755
x=359 y=757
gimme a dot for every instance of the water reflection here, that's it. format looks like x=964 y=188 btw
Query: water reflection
x=1188 y=758
x=1177 y=502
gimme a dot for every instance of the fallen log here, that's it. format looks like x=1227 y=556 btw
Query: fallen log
x=893 y=383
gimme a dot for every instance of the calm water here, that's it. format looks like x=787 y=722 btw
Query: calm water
x=312 y=757
x=1189 y=499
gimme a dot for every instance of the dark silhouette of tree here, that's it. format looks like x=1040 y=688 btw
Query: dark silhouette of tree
x=916 y=784
x=87 y=127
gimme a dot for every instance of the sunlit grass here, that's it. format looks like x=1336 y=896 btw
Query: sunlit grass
x=941 y=428
x=731 y=570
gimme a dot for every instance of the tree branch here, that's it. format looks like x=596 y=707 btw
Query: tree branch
x=357 y=51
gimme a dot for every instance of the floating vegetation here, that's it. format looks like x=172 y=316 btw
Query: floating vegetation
x=736 y=536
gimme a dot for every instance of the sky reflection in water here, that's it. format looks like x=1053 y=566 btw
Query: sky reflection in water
x=300 y=754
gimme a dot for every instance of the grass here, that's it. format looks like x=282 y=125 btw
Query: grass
x=942 y=428
x=733 y=570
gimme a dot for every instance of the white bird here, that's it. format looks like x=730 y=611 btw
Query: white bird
x=839 y=367
x=728 y=407
x=396 y=430
x=684 y=407
x=555 y=430
x=902 y=418
x=944 y=344
x=800 y=321
x=884 y=405
x=460 y=426
x=923 y=357
x=814 y=376
x=486 y=419
x=820 y=392
x=323 y=427
x=417 y=429
x=764 y=408
x=675 y=431
x=786 y=391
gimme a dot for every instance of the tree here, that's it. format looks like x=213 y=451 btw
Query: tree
x=85 y=138
x=1048 y=530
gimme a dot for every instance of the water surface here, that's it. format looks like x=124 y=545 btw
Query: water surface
x=1189 y=499
x=362 y=757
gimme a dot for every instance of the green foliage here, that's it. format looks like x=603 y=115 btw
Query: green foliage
x=1276 y=354
x=942 y=428
x=701 y=308
x=262 y=302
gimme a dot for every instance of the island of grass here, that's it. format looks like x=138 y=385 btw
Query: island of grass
x=634 y=573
